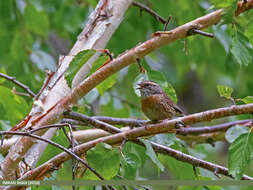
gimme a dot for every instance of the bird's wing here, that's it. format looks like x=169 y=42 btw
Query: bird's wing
x=175 y=106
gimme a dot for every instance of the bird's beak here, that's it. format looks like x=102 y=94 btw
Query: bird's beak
x=139 y=86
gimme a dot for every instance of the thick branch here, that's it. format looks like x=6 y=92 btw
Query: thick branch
x=140 y=51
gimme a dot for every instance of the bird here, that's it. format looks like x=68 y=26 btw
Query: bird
x=155 y=103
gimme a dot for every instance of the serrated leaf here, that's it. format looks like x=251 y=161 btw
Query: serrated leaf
x=240 y=48
x=239 y=156
x=247 y=99
x=105 y=160
x=224 y=91
x=107 y=84
x=77 y=62
x=234 y=132
x=151 y=154
x=36 y=21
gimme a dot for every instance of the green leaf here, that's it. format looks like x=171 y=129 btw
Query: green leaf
x=105 y=160
x=36 y=21
x=220 y=32
x=151 y=153
x=108 y=83
x=77 y=62
x=223 y=3
x=138 y=151
x=3 y=71
x=176 y=167
x=249 y=31
x=234 y=132
x=239 y=156
x=129 y=164
x=228 y=6
x=98 y=63
x=51 y=151
x=159 y=78
x=224 y=91
x=247 y=99
x=13 y=107
x=240 y=48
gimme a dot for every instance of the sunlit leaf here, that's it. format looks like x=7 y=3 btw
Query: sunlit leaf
x=225 y=91
x=247 y=99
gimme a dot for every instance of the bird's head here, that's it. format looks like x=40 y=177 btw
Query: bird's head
x=148 y=88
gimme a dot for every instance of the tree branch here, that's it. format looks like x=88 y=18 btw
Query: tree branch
x=150 y=11
x=13 y=79
x=165 y=126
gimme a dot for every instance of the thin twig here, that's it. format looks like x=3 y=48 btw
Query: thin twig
x=73 y=150
x=150 y=11
x=59 y=125
x=200 y=32
x=54 y=144
x=20 y=93
x=163 y=149
x=167 y=23
x=13 y=79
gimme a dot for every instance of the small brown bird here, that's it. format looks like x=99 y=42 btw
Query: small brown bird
x=155 y=103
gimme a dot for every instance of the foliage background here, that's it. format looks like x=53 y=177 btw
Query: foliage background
x=34 y=33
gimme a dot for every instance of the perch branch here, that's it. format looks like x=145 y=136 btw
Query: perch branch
x=150 y=129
